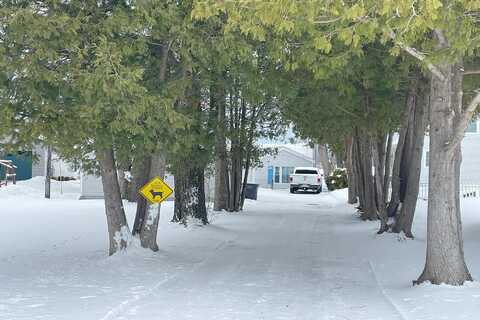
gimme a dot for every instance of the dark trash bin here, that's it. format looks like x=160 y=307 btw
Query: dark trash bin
x=251 y=191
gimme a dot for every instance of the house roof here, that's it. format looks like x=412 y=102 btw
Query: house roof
x=299 y=150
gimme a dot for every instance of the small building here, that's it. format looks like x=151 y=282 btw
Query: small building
x=91 y=186
x=276 y=168
x=29 y=163
x=32 y=163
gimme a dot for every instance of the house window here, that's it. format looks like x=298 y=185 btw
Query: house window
x=286 y=172
x=472 y=127
x=277 y=174
x=427 y=158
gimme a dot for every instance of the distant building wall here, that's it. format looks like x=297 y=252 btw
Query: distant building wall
x=59 y=167
x=280 y=166
x=470 y=167
x=91 y=186
x=39 y=161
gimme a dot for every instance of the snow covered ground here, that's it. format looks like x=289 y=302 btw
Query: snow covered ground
x=302 y=256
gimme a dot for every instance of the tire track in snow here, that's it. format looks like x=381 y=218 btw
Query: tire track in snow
x=384 y=293
x=121 y=307
x=233 y=265
x=334 y=259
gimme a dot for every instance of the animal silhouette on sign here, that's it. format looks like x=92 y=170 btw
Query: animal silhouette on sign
x=156 y=194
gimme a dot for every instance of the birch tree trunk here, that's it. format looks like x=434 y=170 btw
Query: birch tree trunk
x=445 y=261
x=118 y=231
x=48 y=172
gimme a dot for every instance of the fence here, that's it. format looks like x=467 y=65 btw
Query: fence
x=10 y=171
x=466 y=191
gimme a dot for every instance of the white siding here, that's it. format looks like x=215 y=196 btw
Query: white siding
x=90 y=186
x=284 y=158
x=38 y=163
x=470 y=168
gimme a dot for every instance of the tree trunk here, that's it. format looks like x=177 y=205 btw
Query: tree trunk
x=445 y=262
x=248 y=154
x=404 y=219
x=324 y=159
x=48 y=172
x=221 y=196
x=123 y=183
x=142 y=176
x=339 y=159
x=388 y=168
x=190 y=196
x=235 y=180
x=352 y=192
x=378 y=148
x=358 y=171
x=236 y=158
x=136 y=183
x=245 y=181
x=398 y=172
x=369 y=211
x=148 y=214
x=118 y=231
x=149 y=226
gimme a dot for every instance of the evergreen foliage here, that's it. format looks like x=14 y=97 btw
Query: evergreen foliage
x=337 y=179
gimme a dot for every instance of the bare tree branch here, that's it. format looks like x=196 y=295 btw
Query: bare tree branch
x=470 y=72
x=326 y=21
x=418 y=55
x=466 y=116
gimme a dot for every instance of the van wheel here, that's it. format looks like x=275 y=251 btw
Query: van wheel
x=319 y=190
x=292 y=190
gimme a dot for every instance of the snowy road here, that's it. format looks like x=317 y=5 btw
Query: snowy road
x=281 y=264
x=303 y=256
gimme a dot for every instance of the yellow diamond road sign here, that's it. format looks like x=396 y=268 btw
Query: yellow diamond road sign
x=155 y=191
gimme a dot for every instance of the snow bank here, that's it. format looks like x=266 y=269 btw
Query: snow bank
x=35 y=188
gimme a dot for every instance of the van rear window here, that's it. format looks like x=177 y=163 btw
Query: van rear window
x=305 y=171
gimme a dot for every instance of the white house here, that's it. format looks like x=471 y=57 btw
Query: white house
x=470 y=167
x=274 y=171
x=276 y=168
